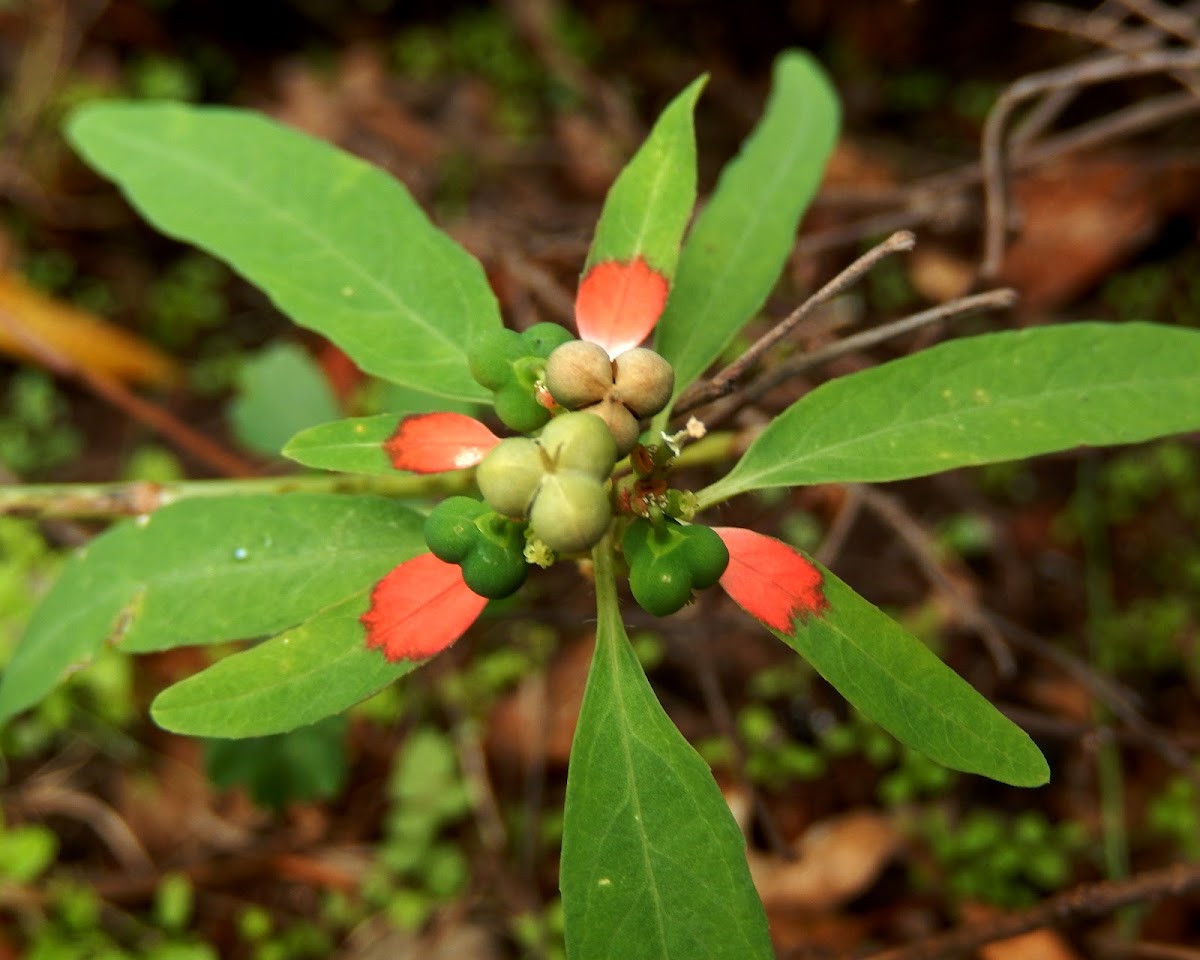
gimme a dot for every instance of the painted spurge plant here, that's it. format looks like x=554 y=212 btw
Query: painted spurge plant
x=346 y=592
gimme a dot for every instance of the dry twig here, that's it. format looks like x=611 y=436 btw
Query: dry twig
x=1000 y=299
x=724 y=382
x=1088 y=73
x=1086 y=900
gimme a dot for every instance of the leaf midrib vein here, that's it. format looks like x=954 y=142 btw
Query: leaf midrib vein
x=158 y=150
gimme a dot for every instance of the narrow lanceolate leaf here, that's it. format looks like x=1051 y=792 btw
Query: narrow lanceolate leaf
x=354 y=445
x=653 y=866
x=649 y=204
x=204 y=571
x=743 y=236
x=1002 y=396
x=308 y=673
x=419 y=609
x=618 y=304
x=899 y=683
x=436 y=442
x=339 y=245
x=769 y=580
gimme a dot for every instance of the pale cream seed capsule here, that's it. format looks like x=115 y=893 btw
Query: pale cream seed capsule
x=578 y=373
x=644 y=381
x=621 y=422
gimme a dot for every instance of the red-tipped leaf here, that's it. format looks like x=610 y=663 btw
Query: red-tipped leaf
x=420 y=608
x=771 y=581
x=619 y=303
x=437 y=442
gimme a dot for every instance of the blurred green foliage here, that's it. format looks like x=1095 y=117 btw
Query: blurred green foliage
x=308 y=763
x=36 y=433
x=1010 y=861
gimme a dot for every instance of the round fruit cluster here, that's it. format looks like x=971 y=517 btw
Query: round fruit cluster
x=556 y=481
x=667 y=561
x=637 y=384
x=550 y=494
x=512 y=365
x=489 y=548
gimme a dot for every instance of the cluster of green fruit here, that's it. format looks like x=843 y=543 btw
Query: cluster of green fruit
x=550 y=494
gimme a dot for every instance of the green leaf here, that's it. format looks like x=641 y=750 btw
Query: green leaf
x=743 y=236
x=207 y=570
x=340 y=246
x=354 y=445
x=313 y=671
x=898 y=682
x=649 y=205
x=1001 y=396
x=26 y=852
x=281 y=391
x=653 y=865
x=308 y=763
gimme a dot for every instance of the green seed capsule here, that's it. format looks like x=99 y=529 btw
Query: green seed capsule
x=706 y=553
x=576 y=441
x=570 y=512
x=667 y=560
x=509 y=475
x=450 y=529
x=518 y=409
x=491 y=357
x=542 y=339
x=662 y=586
x=493 y=569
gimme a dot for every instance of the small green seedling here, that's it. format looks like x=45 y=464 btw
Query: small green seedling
x=346 y=593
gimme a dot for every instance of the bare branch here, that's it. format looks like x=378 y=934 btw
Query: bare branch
x=1083 y=74
x=723 y=382
x=999 y=299
x=1086 y=900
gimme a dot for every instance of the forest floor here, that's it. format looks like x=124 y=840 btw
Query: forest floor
x=1067 y=590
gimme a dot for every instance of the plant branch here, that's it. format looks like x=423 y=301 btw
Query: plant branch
x=890 y=509
x=1086 y=900
x=1084 y=74
x=98 y=501
x=723 y=383
x=999 y=299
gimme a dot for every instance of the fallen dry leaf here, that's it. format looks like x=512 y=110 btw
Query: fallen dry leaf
x=536 y=722
x=1079 y=220
x=1035 y=945
x=939 y=275
x=838 y=859
x=34 y=324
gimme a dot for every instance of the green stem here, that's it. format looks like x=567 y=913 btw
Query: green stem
x=106 y=501
x=604 y=571
x=109 y=500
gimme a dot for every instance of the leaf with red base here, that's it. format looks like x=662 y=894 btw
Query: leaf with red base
x=437 y=442
x=769 y=580
x=619 y=303
x=888 y=674
x=420 y=608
